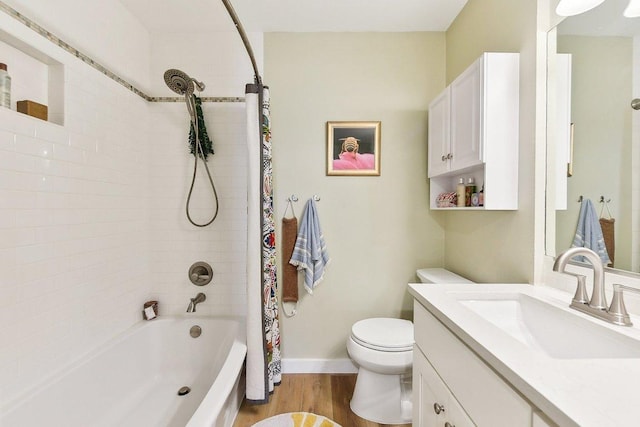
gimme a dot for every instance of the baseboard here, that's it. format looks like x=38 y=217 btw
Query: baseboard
x=318 y=366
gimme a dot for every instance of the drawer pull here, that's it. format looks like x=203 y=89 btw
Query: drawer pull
x=437 y=408
x=448 y=424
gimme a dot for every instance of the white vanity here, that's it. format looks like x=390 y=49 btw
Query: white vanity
x=516 y=355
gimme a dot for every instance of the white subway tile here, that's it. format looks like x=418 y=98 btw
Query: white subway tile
x=16 y=123
x=7 y=141
x=52 y=133
x=34 y=147
x=68 y=154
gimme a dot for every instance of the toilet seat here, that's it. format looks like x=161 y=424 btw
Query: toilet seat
x=384 y=334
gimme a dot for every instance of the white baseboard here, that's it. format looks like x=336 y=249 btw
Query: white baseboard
x=318 y=366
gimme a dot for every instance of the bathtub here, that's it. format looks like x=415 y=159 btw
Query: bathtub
x=134 y=380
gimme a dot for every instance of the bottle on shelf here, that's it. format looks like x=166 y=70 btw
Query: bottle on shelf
x=460 y=193
x=469 y=190
x=481 y=196
x=5 y=87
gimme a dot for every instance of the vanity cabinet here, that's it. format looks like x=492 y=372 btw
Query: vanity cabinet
x=474 y=132
x=448 y=373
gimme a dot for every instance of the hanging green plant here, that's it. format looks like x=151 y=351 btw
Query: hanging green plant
x=205 y=142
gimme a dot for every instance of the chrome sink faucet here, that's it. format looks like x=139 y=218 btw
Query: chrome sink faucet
x=597 y=305
x=195 y=301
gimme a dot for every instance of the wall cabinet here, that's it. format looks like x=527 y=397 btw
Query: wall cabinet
x=448 y=375
x=474 y=132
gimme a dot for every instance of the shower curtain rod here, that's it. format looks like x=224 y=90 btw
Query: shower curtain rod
x=245 y=40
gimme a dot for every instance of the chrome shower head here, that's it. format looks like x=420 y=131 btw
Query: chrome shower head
x=179 y=82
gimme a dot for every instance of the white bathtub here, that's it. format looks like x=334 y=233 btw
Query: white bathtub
x=134 y=380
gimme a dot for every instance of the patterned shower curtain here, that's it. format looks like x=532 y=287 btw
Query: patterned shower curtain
x=263 y=331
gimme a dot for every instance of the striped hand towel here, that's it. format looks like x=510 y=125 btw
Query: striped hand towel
x=589 y=233
x=310 y=252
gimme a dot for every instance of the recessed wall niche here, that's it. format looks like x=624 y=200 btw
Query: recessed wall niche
x=35 y=76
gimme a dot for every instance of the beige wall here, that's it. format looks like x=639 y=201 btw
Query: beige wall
x=601 y=89
x=378 y=230
x=497 y=246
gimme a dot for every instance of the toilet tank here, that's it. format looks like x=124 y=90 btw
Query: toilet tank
x=439 y=275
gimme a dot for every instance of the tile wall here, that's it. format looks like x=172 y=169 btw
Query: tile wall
x=220 y=61
x=175 y=243
x=74 y=229
x=92 y=220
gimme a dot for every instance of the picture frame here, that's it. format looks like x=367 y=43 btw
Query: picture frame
x=353 y=148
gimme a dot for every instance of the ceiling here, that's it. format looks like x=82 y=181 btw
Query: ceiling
x=296 y=15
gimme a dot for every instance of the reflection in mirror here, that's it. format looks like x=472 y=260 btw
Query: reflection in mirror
x=604 y=48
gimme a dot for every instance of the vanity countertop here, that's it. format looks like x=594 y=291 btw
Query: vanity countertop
x=580 y=391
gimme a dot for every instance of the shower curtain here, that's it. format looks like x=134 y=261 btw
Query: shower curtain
x=263 y=334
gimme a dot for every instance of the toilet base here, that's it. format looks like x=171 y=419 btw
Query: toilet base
x=383 y=399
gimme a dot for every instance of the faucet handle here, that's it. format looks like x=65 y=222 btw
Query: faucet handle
x=617 y=308
x=581 y=296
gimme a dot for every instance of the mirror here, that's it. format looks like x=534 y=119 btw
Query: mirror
x=605 y=140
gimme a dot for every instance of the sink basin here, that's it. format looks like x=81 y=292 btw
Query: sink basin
x=543 y=327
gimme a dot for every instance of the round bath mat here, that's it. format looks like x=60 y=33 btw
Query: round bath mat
x=297 y=419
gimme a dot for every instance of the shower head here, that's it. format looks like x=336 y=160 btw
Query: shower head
x=179 y=82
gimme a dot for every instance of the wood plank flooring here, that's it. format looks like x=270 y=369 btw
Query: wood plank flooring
x=323 y=394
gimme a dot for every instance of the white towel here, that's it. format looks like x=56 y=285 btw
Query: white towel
x=589 y=233
x=310 y=251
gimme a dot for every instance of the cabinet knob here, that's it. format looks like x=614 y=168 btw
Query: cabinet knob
x=437 y=408
x=448 y=424
x=444 y=158
x=450 y=156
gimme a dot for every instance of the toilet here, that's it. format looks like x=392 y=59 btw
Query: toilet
x=382 y=348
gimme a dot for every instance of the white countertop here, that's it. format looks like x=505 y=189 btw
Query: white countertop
x=571 y=392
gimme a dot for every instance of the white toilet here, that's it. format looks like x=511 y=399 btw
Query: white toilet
x=383 y=350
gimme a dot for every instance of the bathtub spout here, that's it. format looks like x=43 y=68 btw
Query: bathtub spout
x=195 y=301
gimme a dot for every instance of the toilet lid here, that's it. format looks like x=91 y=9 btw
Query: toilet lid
x=384 y=334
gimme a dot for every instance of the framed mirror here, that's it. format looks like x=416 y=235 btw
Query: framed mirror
x=603 y=153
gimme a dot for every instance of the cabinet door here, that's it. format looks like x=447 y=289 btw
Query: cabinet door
x=426 y=389
x=439 y=132
x=433 y=403
x=466 y=96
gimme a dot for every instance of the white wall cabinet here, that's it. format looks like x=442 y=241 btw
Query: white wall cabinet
x=474 y=132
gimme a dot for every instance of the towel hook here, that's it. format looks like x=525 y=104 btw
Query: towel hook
x=580 y=199
x=605 y=203
x=316 y=198
x=290 y=201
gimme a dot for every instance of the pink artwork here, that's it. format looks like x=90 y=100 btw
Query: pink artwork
x=353 y=148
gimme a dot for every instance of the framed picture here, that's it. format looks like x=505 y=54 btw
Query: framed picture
x=353 y=148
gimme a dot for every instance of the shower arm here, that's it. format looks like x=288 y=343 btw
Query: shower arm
x=245 y=40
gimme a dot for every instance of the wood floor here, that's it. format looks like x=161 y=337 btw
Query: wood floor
x=323 y=394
